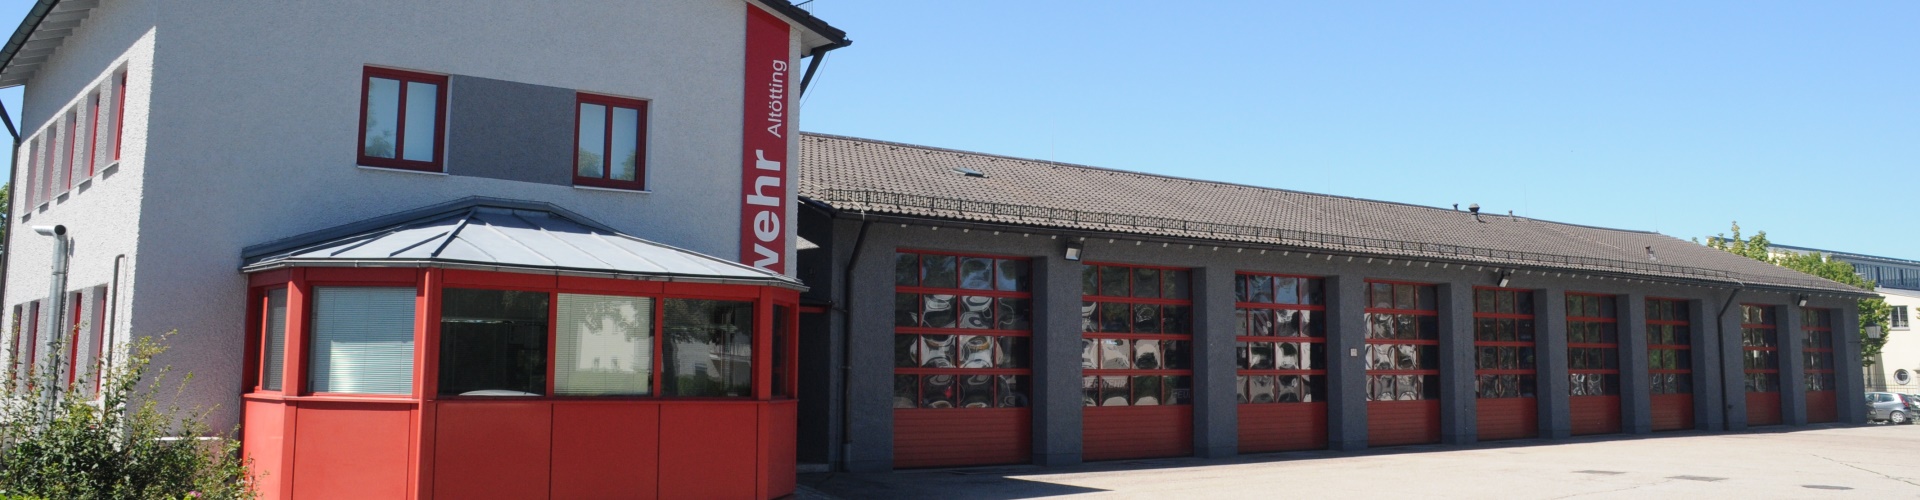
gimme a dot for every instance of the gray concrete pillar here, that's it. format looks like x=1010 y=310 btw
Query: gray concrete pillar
x=1709 y=404
x=1732 y=367
x=1057 y=404
x=1793 y=366
x=870 y=314
x=1458 y=424
x=1216 y=408
x=1550 y=349
x=1346 y=370
x=1636 y=392
x=1846 y=370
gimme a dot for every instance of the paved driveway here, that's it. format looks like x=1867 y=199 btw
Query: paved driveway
x=1875 y=461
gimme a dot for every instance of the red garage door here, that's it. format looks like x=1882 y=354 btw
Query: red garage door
x=1593 y=363
x=1281 y=357
x=1504 y=364
x=1403 y=364
x=1822 y=400
x=1136 y=362
x=1760 y=343
x=962 y=326
x=1670 y=364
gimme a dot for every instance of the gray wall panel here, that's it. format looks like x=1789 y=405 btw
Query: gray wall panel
x=508 y=130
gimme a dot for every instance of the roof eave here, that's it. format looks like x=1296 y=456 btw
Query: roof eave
x=278 y=264
x=829 y=37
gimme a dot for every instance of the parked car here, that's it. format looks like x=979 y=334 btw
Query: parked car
x=1890 y=408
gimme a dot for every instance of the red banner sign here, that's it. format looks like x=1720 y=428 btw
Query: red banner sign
x=763 y=144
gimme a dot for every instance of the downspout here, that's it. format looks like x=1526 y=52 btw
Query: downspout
x=56 y=299
x=1726 y=405
x=846 y=344
x=113 y=312
x=12 y=199
x=819 y=54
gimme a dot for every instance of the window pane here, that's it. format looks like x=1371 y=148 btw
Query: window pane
x=604 y=346
x=1012 y=276
x=423 y=111
x=1146 y=282
x=707 y=348
x=383 y=118
x=276 y=339
x=493 y=343
x=592 y=142
x=626 y=144
x=362 y=340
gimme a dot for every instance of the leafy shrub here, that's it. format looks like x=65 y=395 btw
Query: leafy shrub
x=56 y=442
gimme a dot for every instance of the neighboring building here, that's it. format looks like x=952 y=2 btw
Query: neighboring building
x=971 y=309
x=1897 y=368
x=419 y=249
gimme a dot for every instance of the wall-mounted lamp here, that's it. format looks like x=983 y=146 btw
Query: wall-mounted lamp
x=1505 y=277
x=1873 y=332
x=1803 y=301
x=1073 y=250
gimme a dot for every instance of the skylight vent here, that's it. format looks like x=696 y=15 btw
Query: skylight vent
x=969 y=172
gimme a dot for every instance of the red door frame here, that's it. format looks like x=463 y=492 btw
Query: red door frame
x=1422 y=410
x=1817 y=347
x=1013 y=425
x=1276 y=425
x=1672 y=410
x=1763 y=406
x=1155 y=431
x=1596 y=413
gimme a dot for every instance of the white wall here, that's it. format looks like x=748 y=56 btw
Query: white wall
x=1902 y=350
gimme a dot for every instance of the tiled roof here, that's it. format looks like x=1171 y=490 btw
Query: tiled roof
x=503 y=235
x=852 y=174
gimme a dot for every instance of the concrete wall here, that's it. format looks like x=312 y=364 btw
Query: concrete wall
x=250 y=115
x=1057 y=406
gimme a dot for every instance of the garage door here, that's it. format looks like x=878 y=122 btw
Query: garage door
x=1281 y=328
x=1136 y=362
x=1504 y=369
x=1822 y=397
x=1760 y=343
x=1593 y=363
x=1403 y=364
x=1670 y=364
x=962 y=326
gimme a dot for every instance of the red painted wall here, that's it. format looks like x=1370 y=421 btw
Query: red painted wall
x=1763 y=408
x=606 y=449
x=1672 y=412
x=708 y=450
x=1283 y=427
x=1392 y=423
x=492 y=449
x=1595 y=414
x=961 y=437
x=1129 y=432
x=1823 y=406
x=1508 y=418
x=261 y=439
x=352 y=450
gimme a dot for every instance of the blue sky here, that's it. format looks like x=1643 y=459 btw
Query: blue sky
x=1801 y=119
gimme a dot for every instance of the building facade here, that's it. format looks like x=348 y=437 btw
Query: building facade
x=397 y=238
x=972 y=309
x=1898 y=281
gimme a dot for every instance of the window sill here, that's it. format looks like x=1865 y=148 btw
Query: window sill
x=613 y=190
x=401 y=170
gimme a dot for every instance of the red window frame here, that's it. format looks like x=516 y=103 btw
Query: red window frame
x=98 y=333
x=120 y=113
x=1094 y=379
x=73 y=144
x=1669 y=333
x=1817 y=347
x=1309 y=303
x=32 y=335
x=1423 y=341
x=1760 y=345
x=1593 y=338
x=606 y=180
x=1021 y=369
x=261 y=301
x=93 y=131
x=1506 y=305
x=73 y=340
x=13 y=342
x=33 y=174
x=438 y=163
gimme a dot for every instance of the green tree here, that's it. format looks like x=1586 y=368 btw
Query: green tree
x=1873 y=311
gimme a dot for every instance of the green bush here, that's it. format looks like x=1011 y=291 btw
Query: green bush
x=62 y=444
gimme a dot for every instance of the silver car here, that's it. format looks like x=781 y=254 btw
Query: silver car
x=1888 y=407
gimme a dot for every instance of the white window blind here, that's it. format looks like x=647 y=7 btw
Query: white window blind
x=605 y=346
x=276 y=339
x=362 y=340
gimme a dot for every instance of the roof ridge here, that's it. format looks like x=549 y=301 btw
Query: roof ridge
x=805 y=134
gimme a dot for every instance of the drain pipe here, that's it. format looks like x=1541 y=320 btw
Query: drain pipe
x=846 y=345
x=113 y=313
x=56 y=298
x=1726 y=405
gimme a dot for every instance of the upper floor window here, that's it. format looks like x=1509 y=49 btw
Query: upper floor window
x=401 y=116
x=119 y=112
x=611 y=138
x=1899 y=318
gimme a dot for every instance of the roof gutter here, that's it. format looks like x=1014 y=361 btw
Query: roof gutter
x=28 y=25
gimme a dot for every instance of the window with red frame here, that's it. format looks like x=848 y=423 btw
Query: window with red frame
x=119 y=112
x=1760 y=343
x=1669 y=347
x=273 y=338
x=31 y=188
x=1503 y=343
x=402 y=115
x=1593 y=345
x=27 y=346
x=75 y=324
x=610 y=137
x=1280 y=350
x=73 y=144
x=93 y=130
x=1403 y=342
x=963 y=327
x=1818 y=348
x=1137 y=335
